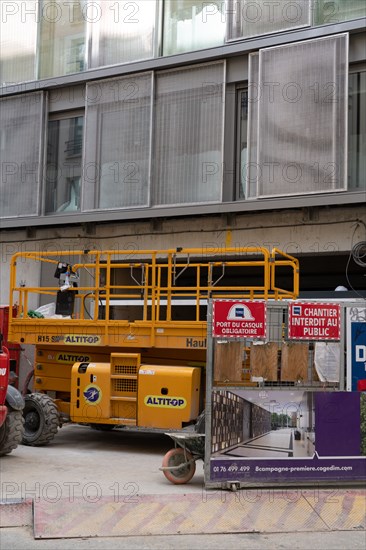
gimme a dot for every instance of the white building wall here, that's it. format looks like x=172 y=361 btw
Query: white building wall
x=318 y=231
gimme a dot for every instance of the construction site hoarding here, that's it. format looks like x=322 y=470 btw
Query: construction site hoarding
x=278 y=410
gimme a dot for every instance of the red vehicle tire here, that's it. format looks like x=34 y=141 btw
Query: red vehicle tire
x=175 y=457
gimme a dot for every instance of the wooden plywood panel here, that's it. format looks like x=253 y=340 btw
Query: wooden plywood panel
x=228 y=360
x=294 y=362
x=264 y=361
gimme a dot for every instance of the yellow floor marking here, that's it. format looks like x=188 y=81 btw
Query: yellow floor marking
x=137 y=516
x=243 y=511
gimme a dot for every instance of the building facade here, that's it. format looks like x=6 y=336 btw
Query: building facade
x=151 y=124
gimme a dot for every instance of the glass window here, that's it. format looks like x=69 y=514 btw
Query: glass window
x=124 y=32
x=252 y=18
x=18 y=31
x=21 y=130
x=63 y=170
x=117 y=142
x=242 y=140
x=188 y=135
x=335 y=11
x=62 y=37
x=250 y=172
x=357 y=131
x=297 y=118
x=193 y=25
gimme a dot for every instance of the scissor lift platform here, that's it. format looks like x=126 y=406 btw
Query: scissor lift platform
x=139 y=298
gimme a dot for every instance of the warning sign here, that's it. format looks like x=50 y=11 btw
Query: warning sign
x=314 y=321
x=237 y=319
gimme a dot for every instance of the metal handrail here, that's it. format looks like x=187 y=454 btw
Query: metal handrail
x=107 y=277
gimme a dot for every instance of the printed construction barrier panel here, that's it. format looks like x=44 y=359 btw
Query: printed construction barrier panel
x=282 y=409
x=356 y=349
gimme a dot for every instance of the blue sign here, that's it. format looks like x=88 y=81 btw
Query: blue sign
x=92 y=394
x=358 y=356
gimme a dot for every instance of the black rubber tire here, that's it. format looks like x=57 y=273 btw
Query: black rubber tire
x=41 y=419
x=11 y=432
x=102 y=427
x=175 y=457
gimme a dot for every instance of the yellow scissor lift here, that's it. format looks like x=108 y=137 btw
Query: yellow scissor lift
x=123 y=336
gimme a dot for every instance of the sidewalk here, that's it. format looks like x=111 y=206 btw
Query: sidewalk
x=92 y=490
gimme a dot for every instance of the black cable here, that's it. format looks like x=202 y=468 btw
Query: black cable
x=359 y=253
x=86 y=311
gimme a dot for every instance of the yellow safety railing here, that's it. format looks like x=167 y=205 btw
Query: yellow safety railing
x=111 y=290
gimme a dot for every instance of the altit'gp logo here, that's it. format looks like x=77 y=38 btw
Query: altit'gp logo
x=165 y=402
x=93 y=394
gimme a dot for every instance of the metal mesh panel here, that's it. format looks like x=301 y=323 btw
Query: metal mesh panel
x=125 y=369
x=124 y=32
x=124 y=386
x=188 y=135
x=117 y=143
x=20 y=144
x=301 y=142
x=248 y=18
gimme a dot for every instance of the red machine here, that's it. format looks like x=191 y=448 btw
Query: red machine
x=4 y=380
x=11 y=407
x=12 y=347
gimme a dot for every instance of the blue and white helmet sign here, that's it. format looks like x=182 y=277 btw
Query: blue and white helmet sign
x=240 y=311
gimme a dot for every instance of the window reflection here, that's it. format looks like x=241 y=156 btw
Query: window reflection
x=18 y=31
x=124 y=32
x=247 y=18
x=242 y=139
x=62 y=38
x=357 y=131
x=63 y=173
x=335 y=11
x=193 y=25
